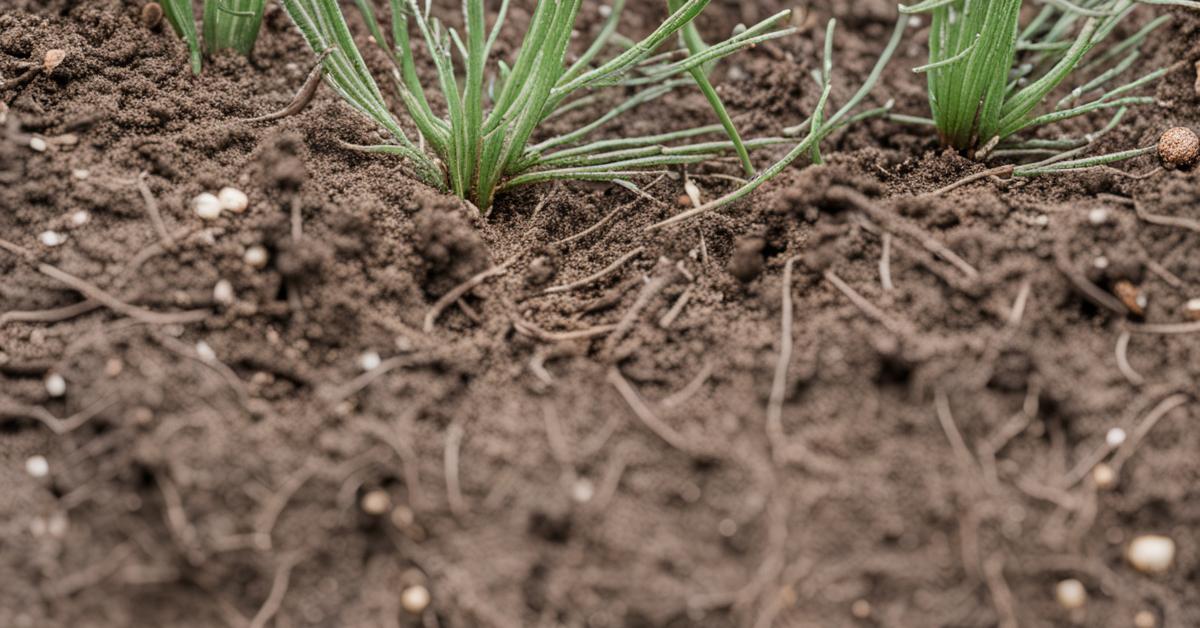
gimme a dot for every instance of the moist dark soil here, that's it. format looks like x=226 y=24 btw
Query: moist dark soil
x=625 y=453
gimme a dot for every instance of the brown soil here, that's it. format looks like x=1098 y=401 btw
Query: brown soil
x=922 y=471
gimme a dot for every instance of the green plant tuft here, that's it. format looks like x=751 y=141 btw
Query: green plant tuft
x=989 y=76
x=232 y=24
x=228 y=24
x=483 y=144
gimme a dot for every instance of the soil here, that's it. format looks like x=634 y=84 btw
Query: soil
x=626 y=453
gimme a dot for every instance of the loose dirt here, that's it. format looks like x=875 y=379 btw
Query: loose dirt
x=626 y=451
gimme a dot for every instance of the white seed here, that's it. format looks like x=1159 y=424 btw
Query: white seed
x=1071 y=594
x=38 y=144
x=223 y=292
x=37 y=466
x=1115 y=437
x=583 y=490
x=1104 y=476
x=376 y=502
x=233 y=199
x=51 y=238
x=80 y=218
x=693 y=193
x=57 y=525
x=56 y=386
x=205 y=352
x=1151 y=553
x=1145 y=619
x=1098 y=216
x=415 y=599
x=369 y=361
x=54 y=57
x=256 y=257
x=207 y=206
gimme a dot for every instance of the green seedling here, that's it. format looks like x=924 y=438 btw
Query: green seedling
x=484 y=143
x=228 y=24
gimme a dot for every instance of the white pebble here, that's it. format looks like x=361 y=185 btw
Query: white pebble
x=583 y=490
x=223 y=292
x=1100 y=263
x=369 y=361
x=605 y=10
x=56 y=386
x=38 y=144
x=51 y=238
x=914 y=21
x=1071 y=594
x=376 y=502
x=1098 y=216
x=415 y=599
x=233 y=199
x=1104 y=476
x=80 y=218
x=37 y=466
x=205 y=352
x=207 y=206
x=81 y=173
x=256 y=257
x=1042 y=220
x=1115 y=437
x=1151 y=553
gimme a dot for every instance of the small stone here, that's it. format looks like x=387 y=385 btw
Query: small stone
x=256 y=257
x=54 y=57
x=860 y=609
x=1145 y=619
x=1100 y=263
x=369 y=361
x=583 y=490
x=205 y=351
x=37 y=466
x=207 y=206
x=1071 y=594
x=152 y=15
x=37 y=144
x=1178 y=147
x=1115 y=437
x=233 y=199
x=684 y=200
x=51 y=238
x=1151 y=553
x=56 y=386
x=113 y=367
x=1104 y=476
x=415 y=599
x=1192 y=309
x=223 y=293
x=80 y=218
x=81 y=174
x=1098 y=216
x=376 y=502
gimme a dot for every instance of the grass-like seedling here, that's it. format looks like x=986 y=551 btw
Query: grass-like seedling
x=989 y=76
x=179 y=14
x=484 y=143
x=232 y=24
x=227 y=24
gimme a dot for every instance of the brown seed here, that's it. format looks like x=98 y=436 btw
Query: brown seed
x=54 y=57
x=1131 y=296
x=1178 y=147
x=152 y=15
x=684 y=200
